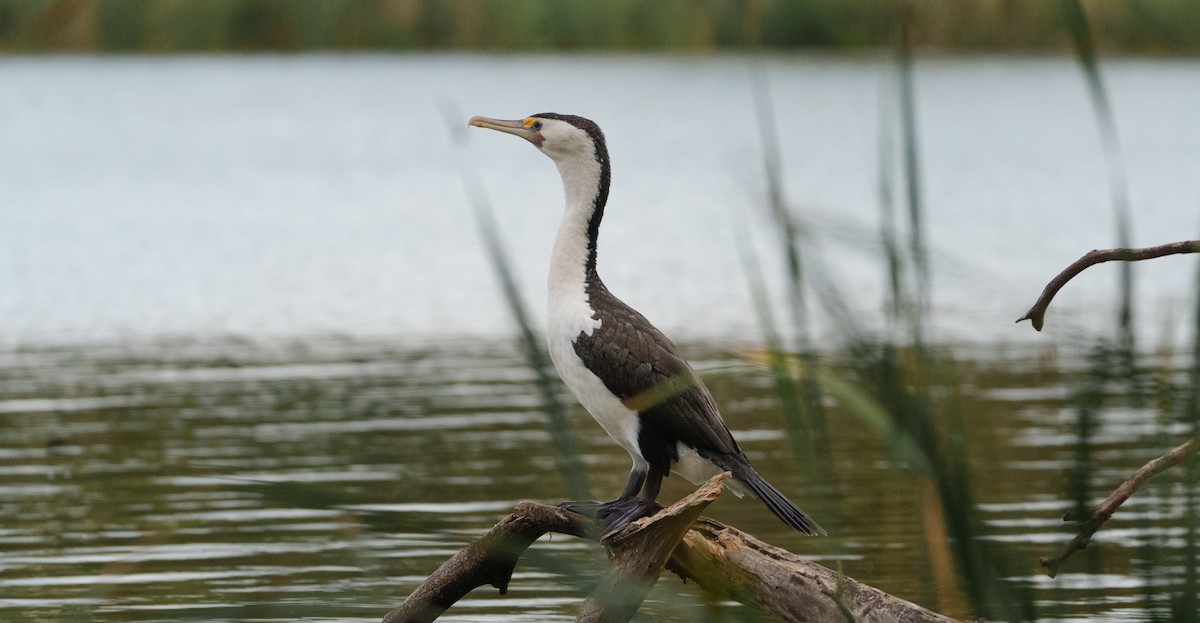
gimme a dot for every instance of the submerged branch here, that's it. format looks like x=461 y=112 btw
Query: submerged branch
x=1037 y=313
x=720 y=559
x=1104 y=510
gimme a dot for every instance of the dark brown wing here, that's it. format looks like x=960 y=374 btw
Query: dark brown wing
x=645 y=370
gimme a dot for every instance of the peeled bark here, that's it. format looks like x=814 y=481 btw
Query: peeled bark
x=730 y=563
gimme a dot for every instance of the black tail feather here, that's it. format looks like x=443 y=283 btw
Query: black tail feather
x=784 y=509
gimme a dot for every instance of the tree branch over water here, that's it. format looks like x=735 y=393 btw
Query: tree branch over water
x=1104 y=510
x=1037 y=313
x=720 y=559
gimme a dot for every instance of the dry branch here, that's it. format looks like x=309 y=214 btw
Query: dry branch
x=1104 y=510
x=1037 y=313
x=490 y=560
x=720 y=559
x=639 y=551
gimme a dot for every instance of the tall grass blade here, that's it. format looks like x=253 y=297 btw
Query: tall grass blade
x=912 y=177
x=789 y=234
x=813 y=413
x=786 y=386
x=1116 y=364
x=824 y=284
x=1085 y=49
x=1087 y=404
x=558 y=424
x=1188 y=607
x=906 y=382
x=875 y=416
x=887 y=208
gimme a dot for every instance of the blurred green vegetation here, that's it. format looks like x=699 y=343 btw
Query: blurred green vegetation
x=1128 y=26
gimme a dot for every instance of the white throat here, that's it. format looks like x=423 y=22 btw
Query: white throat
x=569 y=310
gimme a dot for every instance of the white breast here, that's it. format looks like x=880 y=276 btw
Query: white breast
x=570 y=314
x=619 y=421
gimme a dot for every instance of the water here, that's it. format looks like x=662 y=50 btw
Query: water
x=292 y=196
x=225 y=480
x=255 y=366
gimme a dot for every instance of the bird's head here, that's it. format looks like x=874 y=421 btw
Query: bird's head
x=562 y=137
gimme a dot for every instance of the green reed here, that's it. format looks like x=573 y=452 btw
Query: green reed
x=1078 y=26
x=1116 y=366
x=1154 y=27
x=906 y=390
x=1188 y=602
x=892 y=389
x=803 y=408
x=558 y=421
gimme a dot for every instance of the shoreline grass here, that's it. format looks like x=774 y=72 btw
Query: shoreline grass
x=1118 y=26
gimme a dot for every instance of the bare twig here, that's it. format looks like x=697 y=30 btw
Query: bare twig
x=720 y=559
x=1104 y=510
x=1037 y=313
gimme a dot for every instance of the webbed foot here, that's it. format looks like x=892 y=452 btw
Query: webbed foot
x=616 y=514
x=613 y=514
x=587 y=508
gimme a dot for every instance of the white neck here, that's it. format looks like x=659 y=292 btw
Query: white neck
x=569 y=309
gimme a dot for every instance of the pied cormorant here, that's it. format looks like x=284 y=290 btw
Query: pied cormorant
x=624 y=371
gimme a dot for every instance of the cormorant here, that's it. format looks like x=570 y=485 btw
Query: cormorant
x=624 y=371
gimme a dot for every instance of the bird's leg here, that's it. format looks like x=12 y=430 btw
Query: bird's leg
x=637 y=477
x=592 y=508
x=624 y=510
x=653 y=485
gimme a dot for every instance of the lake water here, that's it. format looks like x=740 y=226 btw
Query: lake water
x=292 y=196
x=255 y=365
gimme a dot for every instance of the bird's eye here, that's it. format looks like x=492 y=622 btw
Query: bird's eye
x=537 y=125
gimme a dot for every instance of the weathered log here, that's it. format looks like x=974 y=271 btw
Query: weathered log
x=638 y=553
x=719 y=558
x=730 y=563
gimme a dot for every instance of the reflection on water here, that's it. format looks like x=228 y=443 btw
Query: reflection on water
x=324 y=479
